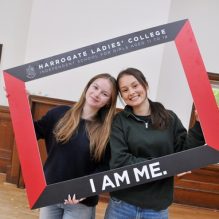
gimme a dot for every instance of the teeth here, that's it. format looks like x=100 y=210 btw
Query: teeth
x=134 y=98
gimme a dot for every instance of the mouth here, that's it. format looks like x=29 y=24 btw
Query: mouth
x=94 y=99
x=134 y=98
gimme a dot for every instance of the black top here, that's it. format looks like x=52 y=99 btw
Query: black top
x=133 y=140
x=66 y=160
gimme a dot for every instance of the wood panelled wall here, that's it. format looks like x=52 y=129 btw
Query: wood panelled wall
x=201 y=188
x=6 y=139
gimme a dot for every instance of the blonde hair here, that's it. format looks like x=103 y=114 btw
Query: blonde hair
x=99 y=129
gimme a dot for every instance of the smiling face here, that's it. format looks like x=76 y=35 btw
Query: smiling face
x=132 y=92
x=99 y=93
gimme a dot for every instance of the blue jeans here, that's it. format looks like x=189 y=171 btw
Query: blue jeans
x=62 y=211
x=118 y=209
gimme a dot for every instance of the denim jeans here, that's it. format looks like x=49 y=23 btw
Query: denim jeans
x=62 y=211
x=118 y=209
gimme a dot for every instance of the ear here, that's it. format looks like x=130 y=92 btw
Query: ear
x=147 y=88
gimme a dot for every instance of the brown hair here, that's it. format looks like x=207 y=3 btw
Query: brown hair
x=99 y=129
x=159 y=115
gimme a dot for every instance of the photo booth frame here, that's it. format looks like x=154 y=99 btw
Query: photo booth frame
x=39 y=193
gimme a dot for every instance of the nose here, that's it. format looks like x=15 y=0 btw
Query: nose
x=97 y=93
x=131 y=91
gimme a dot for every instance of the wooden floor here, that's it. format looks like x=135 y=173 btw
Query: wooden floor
x=13 y=205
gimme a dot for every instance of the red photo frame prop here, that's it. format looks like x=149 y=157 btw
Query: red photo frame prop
x=39 y=193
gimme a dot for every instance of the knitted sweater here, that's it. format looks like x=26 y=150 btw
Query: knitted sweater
x=66 y=160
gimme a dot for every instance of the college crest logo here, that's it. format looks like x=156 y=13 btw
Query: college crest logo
x=30 y=72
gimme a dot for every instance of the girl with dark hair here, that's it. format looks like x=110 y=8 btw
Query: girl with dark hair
x=76 y=139
x=145 y=130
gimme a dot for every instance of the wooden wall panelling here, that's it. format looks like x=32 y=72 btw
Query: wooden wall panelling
x=6 y=139
x=201 y=188
x=9 y=161
x=12 y=165
x=13 y=172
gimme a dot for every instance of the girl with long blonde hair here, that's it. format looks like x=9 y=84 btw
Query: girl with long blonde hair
x=77 y=136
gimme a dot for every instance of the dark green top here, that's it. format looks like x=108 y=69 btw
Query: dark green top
x=133 y=140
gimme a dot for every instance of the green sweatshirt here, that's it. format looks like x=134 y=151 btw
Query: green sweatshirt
x=133 y=140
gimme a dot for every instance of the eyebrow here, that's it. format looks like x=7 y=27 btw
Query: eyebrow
x=130 y=84
x=101 y=89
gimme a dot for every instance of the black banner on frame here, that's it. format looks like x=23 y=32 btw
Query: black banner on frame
x=129 y=176
x=97 y=52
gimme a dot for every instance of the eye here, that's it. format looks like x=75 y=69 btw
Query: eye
x=105 y=94
x=95 y=87
x=124 y=90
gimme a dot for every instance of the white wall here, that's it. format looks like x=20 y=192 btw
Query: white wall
x=59 y=27
x=36 y=29
x=173 y=89
x=204 y=18
x=14 y=25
